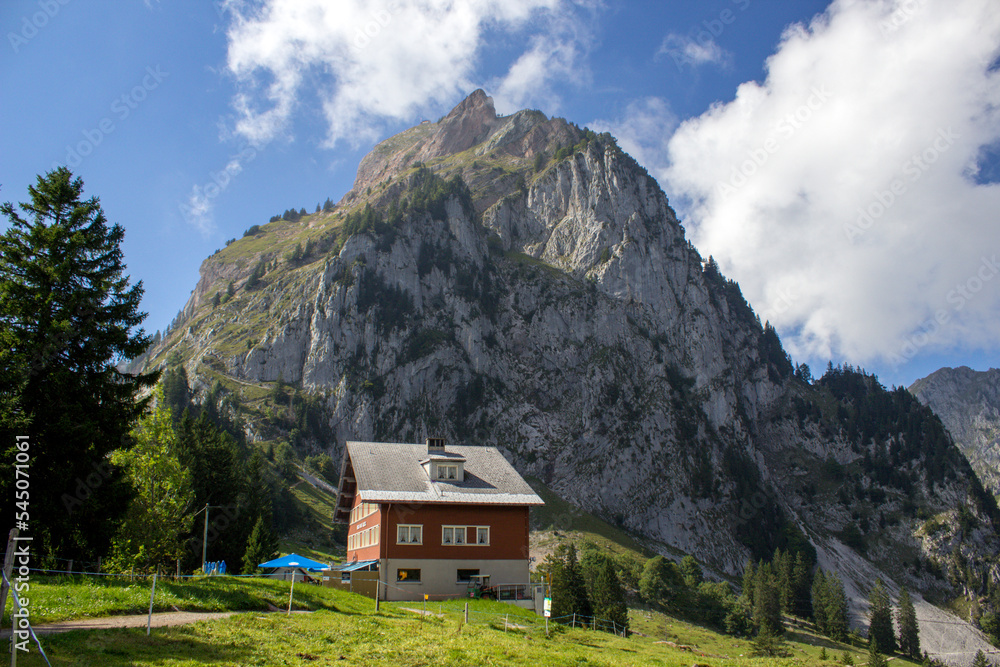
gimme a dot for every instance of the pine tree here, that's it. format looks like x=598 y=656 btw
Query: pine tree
x=880 y=629
x=569 y=592
x=749 y=581
x=909 y=631
x=692 y=571
x=262 y=546
x=782 y=563
x=608 y=599
x=836 y=608
x=802 y=582
x=68 y=318
x=820 y=596
x=767 y=602
x=875 y=657
x=980 y=660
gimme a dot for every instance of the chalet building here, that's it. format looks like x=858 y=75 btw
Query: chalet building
x=432 y=518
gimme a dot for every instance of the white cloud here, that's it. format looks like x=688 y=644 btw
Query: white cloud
x=643 y=131
x=837 y=190
x=554 y=55
x=369 y=62
x=686 y=51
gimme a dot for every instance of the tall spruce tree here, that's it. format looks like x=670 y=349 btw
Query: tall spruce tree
x=608 y=598
x=820 y=596
x=767 y=601
x=262 y=546
x=909 y=631
x=569 y=592
x=836 y=608
x=68 y=318
x=880 y=618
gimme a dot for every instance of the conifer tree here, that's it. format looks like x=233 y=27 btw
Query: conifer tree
x=262 y=546
x=68 y=318
x=980 y=660
x=820 y=596
x=692 y=571
x=767 y=602
x=569 y=592
x=880 y=628
x=909 y=631
x=608 y=598
x=836 y=608
x=875 y=657
x=802 y=578
x=749 y=581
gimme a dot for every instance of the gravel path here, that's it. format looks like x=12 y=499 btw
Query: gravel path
x=159 y=620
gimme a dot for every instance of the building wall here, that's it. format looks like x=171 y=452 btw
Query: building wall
x=439 y=577
x=357 y=530
x=508 y=532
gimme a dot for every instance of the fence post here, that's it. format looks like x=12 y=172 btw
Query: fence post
x=377 y=582
x=152 y=594
x=71 y=565
x=573 y=624
x=291 y=593
x=466 y=613
x=8 y=567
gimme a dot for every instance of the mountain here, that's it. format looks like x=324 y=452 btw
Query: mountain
x=968 y=403
x=520 y=282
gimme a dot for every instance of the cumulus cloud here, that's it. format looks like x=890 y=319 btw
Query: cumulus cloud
x=367 y=62
x=840 y=191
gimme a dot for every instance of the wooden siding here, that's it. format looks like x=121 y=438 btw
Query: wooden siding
x=508 y=531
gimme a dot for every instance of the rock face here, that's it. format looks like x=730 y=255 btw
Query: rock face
x=968 y=403
x=519 y=282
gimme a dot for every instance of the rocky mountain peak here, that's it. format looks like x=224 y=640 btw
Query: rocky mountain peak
x=968 y=402
x=468 y=124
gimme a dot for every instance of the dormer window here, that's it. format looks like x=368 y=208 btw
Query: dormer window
x=447 y=472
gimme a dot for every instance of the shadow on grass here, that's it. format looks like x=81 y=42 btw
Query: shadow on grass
x=816 y=640
x=132 y=646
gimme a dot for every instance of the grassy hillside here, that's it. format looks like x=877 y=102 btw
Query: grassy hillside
x=346 y=630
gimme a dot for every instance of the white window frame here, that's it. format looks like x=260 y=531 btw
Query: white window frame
x=447 y=472
x=409 y=527
x=456 y=531
x=487 y=542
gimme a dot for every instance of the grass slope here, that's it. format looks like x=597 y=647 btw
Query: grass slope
x=347 y=630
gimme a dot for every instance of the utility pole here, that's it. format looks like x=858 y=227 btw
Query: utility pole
x=204 y=536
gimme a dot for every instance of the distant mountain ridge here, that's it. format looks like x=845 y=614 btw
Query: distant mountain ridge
x=520 y=282
x=968 y=403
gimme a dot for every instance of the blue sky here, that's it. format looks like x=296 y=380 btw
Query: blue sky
x=838 y=159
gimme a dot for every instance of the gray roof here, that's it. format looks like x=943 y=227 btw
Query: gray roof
x=392 y=472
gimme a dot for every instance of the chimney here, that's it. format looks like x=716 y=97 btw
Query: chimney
x=435 y=445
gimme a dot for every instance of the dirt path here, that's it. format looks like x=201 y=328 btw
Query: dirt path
x=110 y=622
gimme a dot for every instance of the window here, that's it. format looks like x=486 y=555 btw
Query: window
x=408 y=576
x=409 y=534
x=464 y=576
x=447 y=472
x=453 y=535
x=362 y=510
x=483 y=535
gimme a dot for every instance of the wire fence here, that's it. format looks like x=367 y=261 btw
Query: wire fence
x=457 y=607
